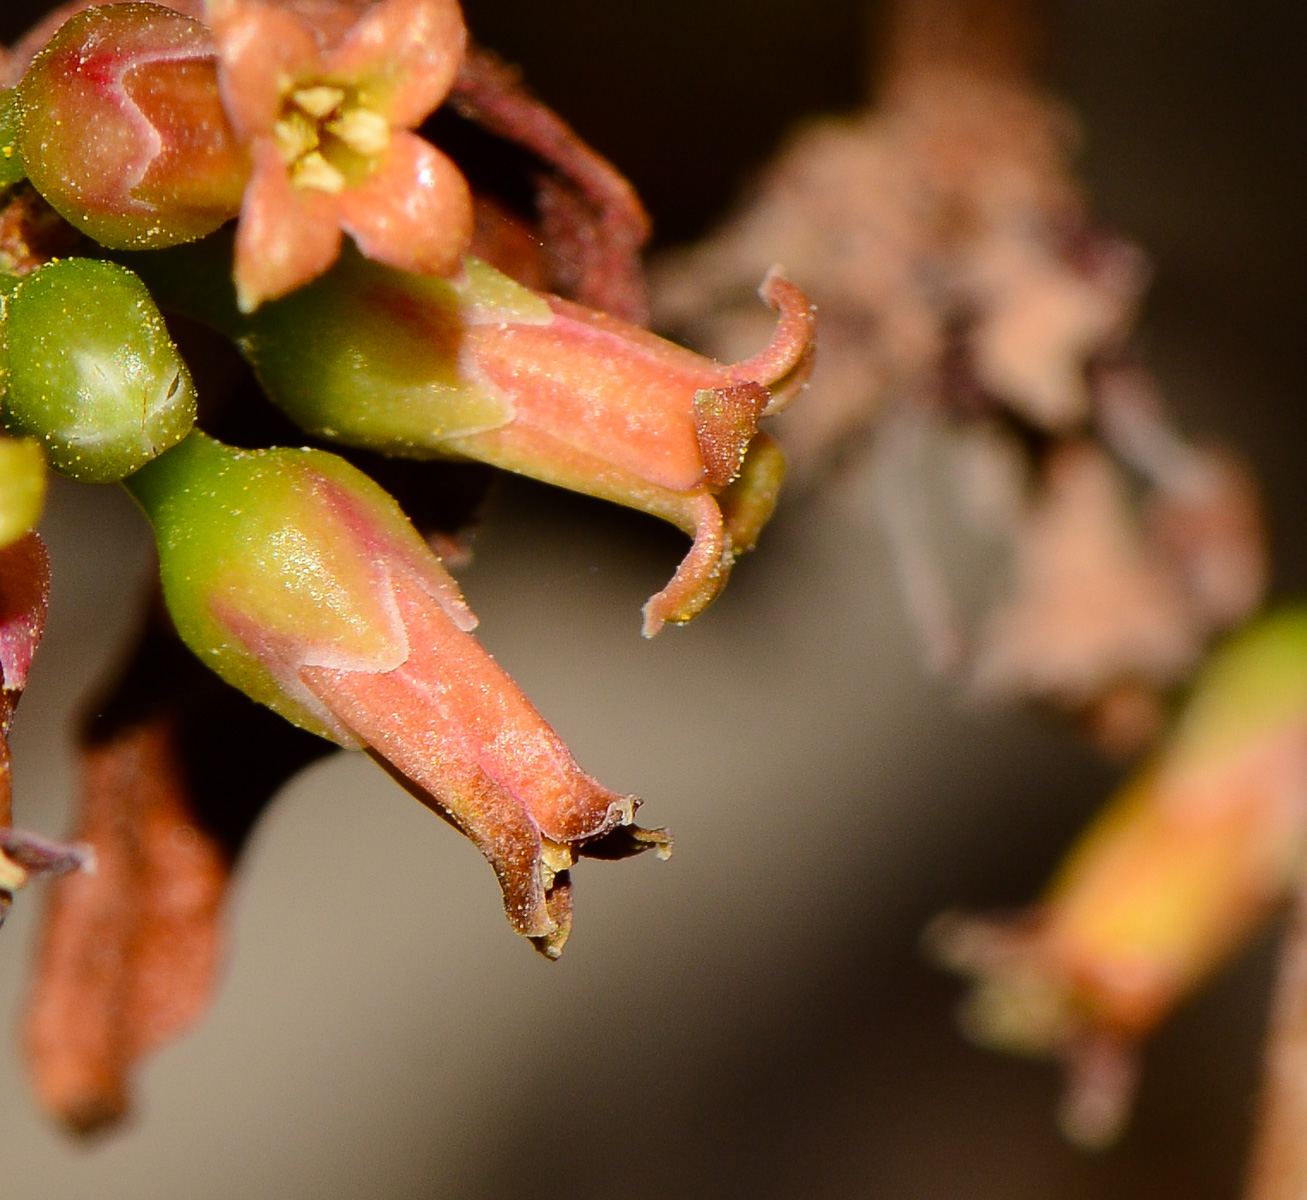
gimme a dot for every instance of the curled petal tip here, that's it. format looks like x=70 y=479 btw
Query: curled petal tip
x=700 y=577
x=1102 y=1075
x=784 y=365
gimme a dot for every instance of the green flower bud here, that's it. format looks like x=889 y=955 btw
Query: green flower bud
x=92 y=371
x=270 y=560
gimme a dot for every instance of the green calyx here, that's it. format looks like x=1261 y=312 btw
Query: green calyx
x=276 y=559
x=366 y=355
x=91 y=370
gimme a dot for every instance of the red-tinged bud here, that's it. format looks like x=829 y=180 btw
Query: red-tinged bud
x=1189 y=858
x=299 y=581
x=24 y=602
x=480 y=367
x=123 y=129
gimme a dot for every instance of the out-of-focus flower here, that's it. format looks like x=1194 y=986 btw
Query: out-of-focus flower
x=480 y=367
x=324 y=96
x=1188 y=859
x=299 y=581
x=966 y=288
x=1090 y=610
x=129 y=954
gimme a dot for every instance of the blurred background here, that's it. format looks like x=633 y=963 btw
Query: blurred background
x=752 y=1018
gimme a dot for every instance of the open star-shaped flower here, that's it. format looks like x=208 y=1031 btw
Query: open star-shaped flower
x=325 y=93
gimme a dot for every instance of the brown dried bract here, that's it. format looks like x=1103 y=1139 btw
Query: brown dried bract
x=129 y=954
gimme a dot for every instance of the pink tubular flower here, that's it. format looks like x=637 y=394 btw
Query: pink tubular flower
x=477 y=366
x=299 y=581
x=324 y=93
x=606 y=408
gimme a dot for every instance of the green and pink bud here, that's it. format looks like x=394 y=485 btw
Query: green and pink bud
x=120 y=126
x=1184 y=864
x=480 y=367
x=298 y=580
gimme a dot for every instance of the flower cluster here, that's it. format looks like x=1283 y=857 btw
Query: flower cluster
x=207 y=160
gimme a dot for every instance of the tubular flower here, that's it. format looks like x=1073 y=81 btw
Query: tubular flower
x=324 y=96
x=300 y=582
x=1192 y=854
x=480 y=367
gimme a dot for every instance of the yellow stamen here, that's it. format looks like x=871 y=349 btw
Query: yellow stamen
x=363 y=130
x=320 y=101
x=314 y=171
x=295 y=136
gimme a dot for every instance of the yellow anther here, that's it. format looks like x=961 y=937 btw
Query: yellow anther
x=362 y=130
x=295 y=136
x=318 y=102
x=314 y=171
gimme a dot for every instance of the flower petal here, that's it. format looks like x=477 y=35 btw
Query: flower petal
x=286 y=236
x=404 y=55
x=702 y=573
x=259 y=47
x=414 y=212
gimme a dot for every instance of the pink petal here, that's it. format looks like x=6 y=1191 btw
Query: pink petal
x=403 y=54
x=286 y=236
x=414 y=212
x=259 y=48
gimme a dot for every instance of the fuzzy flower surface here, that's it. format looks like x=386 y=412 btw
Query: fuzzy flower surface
x=325 y=96
x=300 y=582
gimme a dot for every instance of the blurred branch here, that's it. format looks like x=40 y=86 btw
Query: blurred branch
x=1001 y=39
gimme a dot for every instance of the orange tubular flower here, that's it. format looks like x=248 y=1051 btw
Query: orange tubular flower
x=324 y=96
x=1192 y=854
x=299 y=581
x=477 y=366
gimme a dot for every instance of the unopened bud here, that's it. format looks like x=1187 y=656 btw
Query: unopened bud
x=11 y=156
x=92 y=371
x=123 y=130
